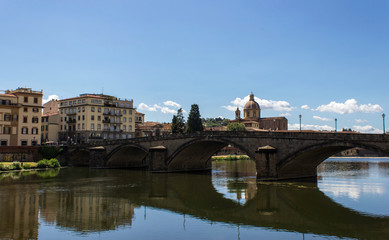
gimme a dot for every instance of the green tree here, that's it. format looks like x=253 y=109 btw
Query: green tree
x=194 y=121
x=236 y=127
x=174 y=124
x=178 y=122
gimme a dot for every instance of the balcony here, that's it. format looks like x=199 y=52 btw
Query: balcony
x=106 y=121
x=71 y=113
x=71 y=121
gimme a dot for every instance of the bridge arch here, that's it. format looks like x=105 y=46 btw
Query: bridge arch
x=127 y=156
x=196 y=154
x=304 y=161
x=80 y=157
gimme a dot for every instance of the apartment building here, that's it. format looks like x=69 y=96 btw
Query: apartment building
x=20 y=117
x=96 y=117
x=50 y=122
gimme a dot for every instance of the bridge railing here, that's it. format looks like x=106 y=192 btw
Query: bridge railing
x=262 y=134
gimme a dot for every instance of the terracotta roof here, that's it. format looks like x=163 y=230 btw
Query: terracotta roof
x=85 y=96
x=7 y=95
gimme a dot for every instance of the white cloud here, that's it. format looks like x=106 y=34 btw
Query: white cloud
x=360 y=121
x=167 y=110
x=296 y=126
x=366 y=129
x=263 y=103
x=156 y=107
x=349 y=106
x=172 y=104
x=285 y=114
x=51 y=97
x=145 y=107
x=229 y=108
x=306 y=107
x=322 y=119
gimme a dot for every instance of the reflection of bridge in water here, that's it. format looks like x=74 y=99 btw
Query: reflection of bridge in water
x=278 y=155
x=102 y=200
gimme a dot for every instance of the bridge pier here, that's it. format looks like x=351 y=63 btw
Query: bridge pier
x=266 y=163
x=97 y=157
x=157 y=159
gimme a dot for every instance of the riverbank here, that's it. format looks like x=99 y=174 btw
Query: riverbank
x=15 y=166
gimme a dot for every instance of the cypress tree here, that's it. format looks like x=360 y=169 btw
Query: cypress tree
x=174 y=124
x=194 y=120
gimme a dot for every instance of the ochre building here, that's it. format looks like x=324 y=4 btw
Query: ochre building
x=20 y=117
x=254 y=122
x=94 y=117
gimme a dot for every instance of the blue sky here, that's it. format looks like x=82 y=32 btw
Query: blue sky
x=329 y=57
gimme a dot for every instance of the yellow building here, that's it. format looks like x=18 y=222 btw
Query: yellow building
x=20 y=117
x=50 y=122
x=96 y=117
x=253 y=121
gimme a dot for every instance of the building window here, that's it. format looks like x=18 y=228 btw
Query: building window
x=92 y=109
x=35 y=100
x=35 y=110
x=25 y=120
x=24 y=130
x=83 y=117
x=78 y=109
x=83 y=109
x=7 y=130
x=130 y=112
x=92 y=126
x=7 y=117
x=124 y=127
x=83 y=126
x=34 y=130
x=124 y=119
x=35 y=120
x=25 y=99
x=98 y=127
x=3 y=143
x=25 y=109
x=42 y=128
x=79 y=117
x=124 y=111
x=92 y=117
x=129 y=128
x=61 y=127
x=79 y=101
x=47 y=127
x=99 y=110
x=24 y=143
x=83 y=101
x=99 y=118
x=130 y=119
x=78 y=126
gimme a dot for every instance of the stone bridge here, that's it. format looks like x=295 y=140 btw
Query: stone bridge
x=278 y=155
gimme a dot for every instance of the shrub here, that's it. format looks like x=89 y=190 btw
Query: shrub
x=27 y=166
x=3 y=167
x=48 y=173
x=16 y=166
x=54 y=163
x=44 y=163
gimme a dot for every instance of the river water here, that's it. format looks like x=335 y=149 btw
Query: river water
x=349 y=201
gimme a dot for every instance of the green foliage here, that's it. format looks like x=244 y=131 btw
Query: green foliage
x=230 y=157
x=215 y=122
x=27 y=166
x=178 y=122
x=194 y=121
x=3 y=167
x=236 y=127
x=16 y=166
x=48 y=152
x=52 y=163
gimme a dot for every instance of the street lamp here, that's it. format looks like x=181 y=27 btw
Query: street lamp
x=336 y=124
x=300 y=121
x=383 y=122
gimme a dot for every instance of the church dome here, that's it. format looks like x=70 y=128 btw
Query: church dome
x=251 y=104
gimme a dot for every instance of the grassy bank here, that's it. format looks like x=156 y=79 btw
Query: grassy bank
x=44 y=163
x=230 y=157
